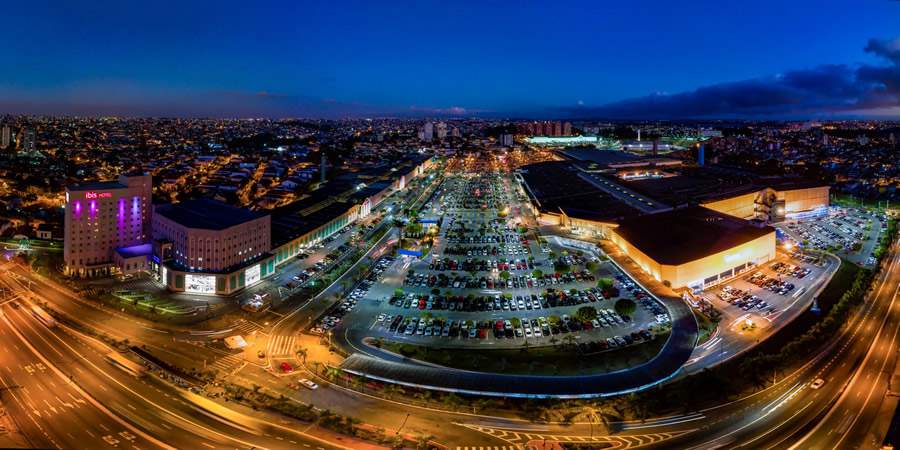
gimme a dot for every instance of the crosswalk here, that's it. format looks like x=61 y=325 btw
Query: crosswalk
x=228 y=363
x=246 y=327
x=282 y=346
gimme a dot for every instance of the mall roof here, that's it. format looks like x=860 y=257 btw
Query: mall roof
x=704 y=184
x=687 y=234
x=557 y=187
x=603 y=157
x=206 y=214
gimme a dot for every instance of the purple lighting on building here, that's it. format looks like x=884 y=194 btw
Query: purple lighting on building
x=121 y=216
x=77 y=209
x=93 y=208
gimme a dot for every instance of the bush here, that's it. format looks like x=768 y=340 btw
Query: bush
x=586 y=313
x=625 y=307
x=605 y=283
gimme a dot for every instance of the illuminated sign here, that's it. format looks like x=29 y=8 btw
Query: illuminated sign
x=739 y=256
x=251 y=275
x=91 y=194
x=200 y=284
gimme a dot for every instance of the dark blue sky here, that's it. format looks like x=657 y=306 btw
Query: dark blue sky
x=333 y=58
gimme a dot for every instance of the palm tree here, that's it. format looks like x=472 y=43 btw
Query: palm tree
x=332 y=373
x=302 y=353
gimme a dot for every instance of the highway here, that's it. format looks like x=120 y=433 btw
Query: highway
x=119 y=408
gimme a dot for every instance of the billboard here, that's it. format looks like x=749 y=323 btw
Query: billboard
x=200 y=284
x=251 y=275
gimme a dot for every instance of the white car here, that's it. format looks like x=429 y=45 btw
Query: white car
x=308 y=383
x=817 y=383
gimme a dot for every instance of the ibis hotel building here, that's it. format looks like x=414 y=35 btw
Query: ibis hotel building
x=107 y=223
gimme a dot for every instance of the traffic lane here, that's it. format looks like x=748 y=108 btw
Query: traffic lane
x=855 y=412
x=150 y=404
x=56 y=409
x=847 y=363
x=388 y=414
x=766 y=420
x=120 y=326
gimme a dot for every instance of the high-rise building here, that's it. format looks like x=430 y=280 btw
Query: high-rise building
x=567 y=129
x=428 y=132
x=102 y=218
x=506 y=140
x=441 y=130
x=557 y=129
x=548 y=129
x=4 y=137
x=28 y=141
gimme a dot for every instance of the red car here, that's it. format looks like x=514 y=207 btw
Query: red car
x=287 y=367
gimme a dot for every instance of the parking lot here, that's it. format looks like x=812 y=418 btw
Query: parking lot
x=850 y=233
x=488 y=282
x=758 y=298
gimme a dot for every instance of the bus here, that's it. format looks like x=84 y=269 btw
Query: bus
x=43 y=317
x=132 y=368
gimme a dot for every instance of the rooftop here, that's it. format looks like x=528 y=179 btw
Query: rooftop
x=702 y=184
x=687 y=234
x=557 y=187
x=95 y=186
x=207 y=214
x=135 y=250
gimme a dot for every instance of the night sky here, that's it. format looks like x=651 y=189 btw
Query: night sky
x=642 y=59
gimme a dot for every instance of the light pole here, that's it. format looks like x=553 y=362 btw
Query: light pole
x=402 y=424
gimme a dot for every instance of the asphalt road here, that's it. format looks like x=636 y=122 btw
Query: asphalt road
x=124 y=410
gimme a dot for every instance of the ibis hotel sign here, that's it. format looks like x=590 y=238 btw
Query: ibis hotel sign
x=92 y=194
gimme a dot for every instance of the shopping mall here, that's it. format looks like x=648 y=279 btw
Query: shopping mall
x=686 y=226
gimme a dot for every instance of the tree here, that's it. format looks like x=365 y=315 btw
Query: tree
x=537 y=273
x=605 y=283
x=504 y=275
x=332 y=373
x=561 y=267
x=302 y=353
x=625 y=307
x=591 y=266
x=586 y=313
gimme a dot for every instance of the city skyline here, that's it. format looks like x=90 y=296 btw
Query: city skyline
x=647 y=61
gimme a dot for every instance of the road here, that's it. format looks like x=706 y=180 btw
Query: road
x=66 y=396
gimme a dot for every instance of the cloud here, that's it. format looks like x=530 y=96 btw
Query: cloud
x=127 y=98
x=889 y=50
x=833 y=89
x=449 y=111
